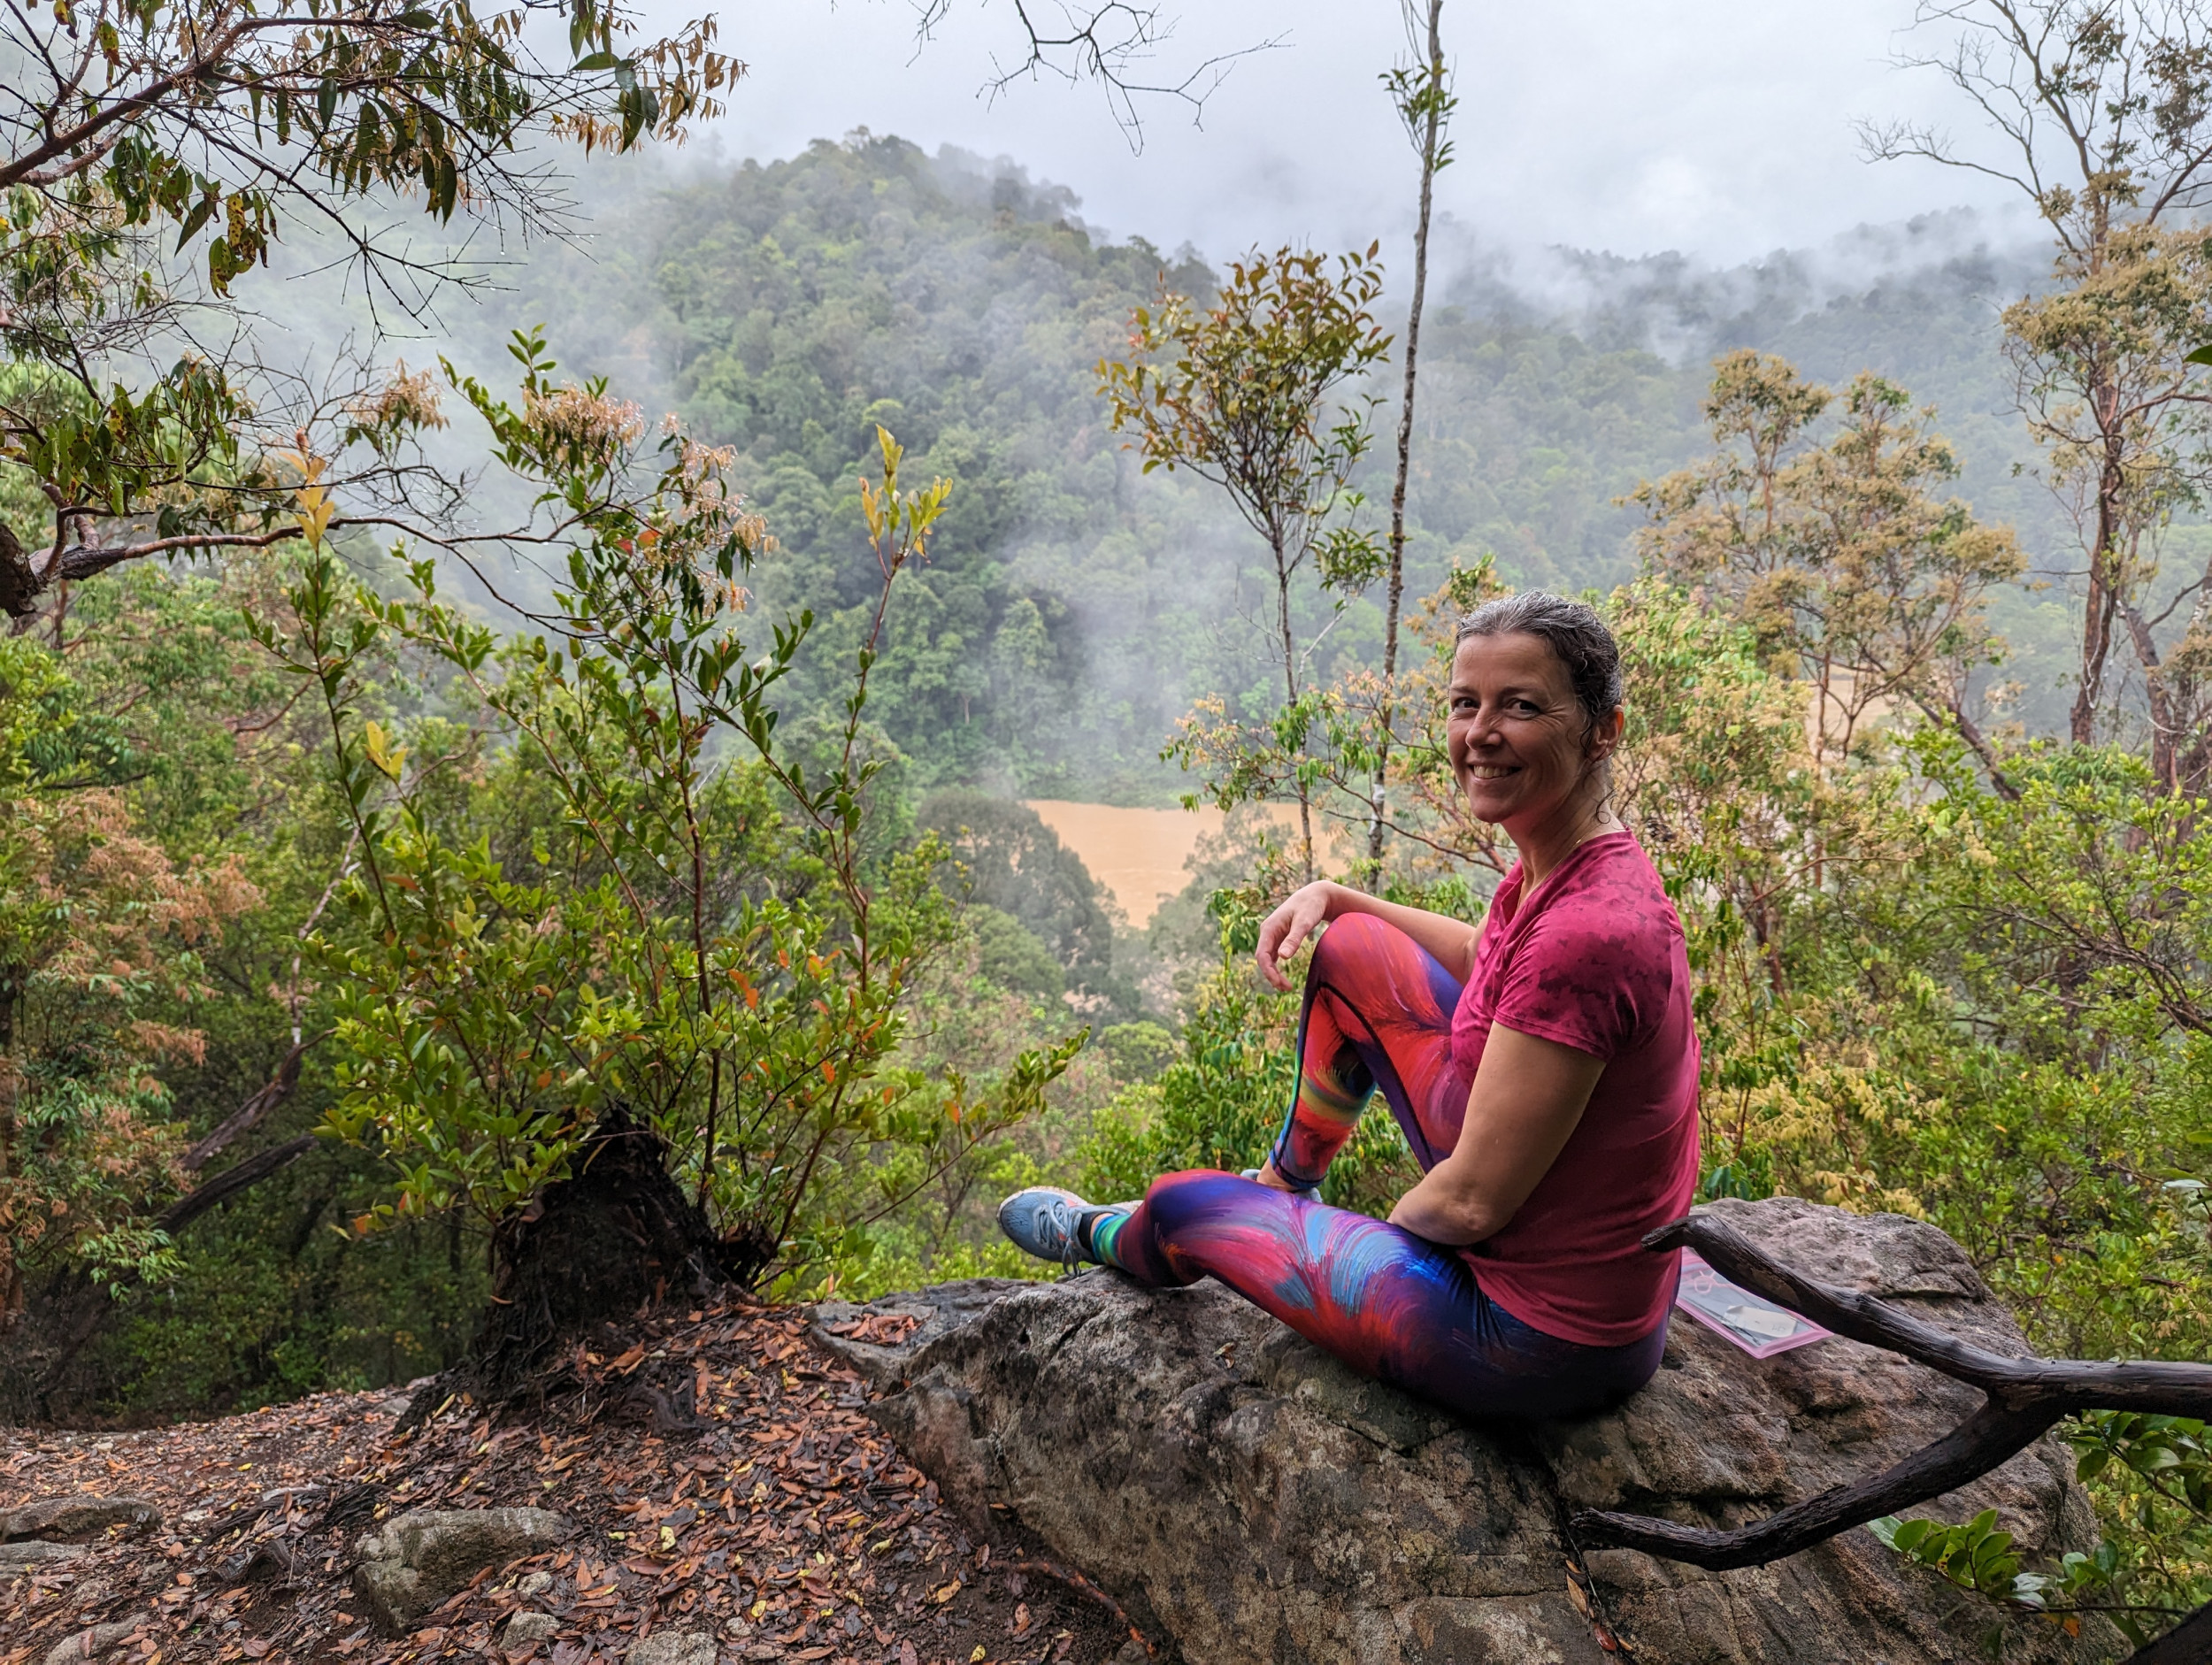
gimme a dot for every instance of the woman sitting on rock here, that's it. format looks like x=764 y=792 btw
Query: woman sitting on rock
x=1544 y=1067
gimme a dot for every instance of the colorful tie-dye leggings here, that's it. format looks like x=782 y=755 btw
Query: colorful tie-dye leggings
x=1393 y=1306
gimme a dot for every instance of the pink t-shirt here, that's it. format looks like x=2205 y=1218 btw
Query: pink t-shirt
x=1593 y=960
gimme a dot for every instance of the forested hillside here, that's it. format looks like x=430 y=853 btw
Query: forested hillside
x=481 y=858
x=1073 y=610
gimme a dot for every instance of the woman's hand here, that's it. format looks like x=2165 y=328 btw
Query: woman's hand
x=1284 y=932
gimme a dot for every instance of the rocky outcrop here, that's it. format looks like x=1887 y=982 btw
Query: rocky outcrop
x=1248 y=1498
x=82 y=1516
x=674 y=1648
x=27 y=1556
x=101 y=1641
x=415 y=1561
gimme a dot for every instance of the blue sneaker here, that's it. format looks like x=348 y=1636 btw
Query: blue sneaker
x=1048 y=1223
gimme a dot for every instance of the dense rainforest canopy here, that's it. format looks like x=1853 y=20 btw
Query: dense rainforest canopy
x=476 y=827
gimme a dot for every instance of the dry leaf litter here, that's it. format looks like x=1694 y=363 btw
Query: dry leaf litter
x=730 y=1498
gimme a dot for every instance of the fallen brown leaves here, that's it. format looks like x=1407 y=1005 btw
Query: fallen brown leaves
x=725 y=1476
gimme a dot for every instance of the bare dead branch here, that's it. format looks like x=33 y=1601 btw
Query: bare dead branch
x=1106 y=43
x=230 y=1182
x=2025 y=1396
x=253 y=1112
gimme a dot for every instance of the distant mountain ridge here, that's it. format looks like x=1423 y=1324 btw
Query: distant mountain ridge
x=1072 y=609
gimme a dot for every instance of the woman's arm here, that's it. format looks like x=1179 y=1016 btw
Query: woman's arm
x=1452 y=942
x=1528 y=1096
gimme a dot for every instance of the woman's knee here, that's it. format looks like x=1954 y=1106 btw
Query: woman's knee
x=1178 y=1201
x=1351 y=940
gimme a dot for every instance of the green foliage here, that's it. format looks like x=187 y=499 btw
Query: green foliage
x=272 y=1298
x=1073 y=608
x=225 y=129
x=1220 y=1103
x=2153 y=1482
x=2157 y=1469
x=1239 y=395
x=1975 y=1556
x=1217 y=1106
x=1850 y=574
x=1012 y=958
x=1138 y=1051
x=658 y=959
x=100 y=933
x=1004 y=858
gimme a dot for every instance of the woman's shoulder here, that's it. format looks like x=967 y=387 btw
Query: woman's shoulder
x=1611 y=897
x=1597 y=962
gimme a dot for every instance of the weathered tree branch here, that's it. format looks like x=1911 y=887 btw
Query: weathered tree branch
x=252 y=1113
x=2025 y=1396
x=2188 y=1643
x=230 y=1182
x=1968 y=1452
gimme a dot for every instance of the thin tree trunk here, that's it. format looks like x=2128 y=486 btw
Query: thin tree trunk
x=230 y=1182
x=1970 y=732
x=2165 y=725
x=1290 y=688
x=252 y=1113
x=2104 y=589
x=1432 y=131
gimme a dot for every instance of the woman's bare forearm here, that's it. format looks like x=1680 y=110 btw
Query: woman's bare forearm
x=1527 y=1098
x=1433 y=1209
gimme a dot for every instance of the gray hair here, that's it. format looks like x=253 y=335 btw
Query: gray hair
x=1572 y=630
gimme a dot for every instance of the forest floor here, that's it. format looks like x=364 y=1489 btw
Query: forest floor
x=767 y=1513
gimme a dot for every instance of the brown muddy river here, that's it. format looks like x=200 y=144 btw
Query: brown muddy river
x=1136 y=854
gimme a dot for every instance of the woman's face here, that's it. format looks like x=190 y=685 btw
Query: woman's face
x=1519 y=743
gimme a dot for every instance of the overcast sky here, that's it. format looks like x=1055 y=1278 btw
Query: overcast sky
x=1718 y=127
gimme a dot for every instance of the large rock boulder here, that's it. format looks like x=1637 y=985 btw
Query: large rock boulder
x=415 y=1561
x=1246 y=1496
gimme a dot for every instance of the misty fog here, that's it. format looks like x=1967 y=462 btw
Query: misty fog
x=1644 y=188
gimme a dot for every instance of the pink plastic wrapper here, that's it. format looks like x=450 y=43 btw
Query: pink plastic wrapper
x=1752 y=1322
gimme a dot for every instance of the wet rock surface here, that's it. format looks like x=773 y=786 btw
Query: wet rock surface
x=75 y=1517
x=674 y=1648
x=33 y=1552
x=415 y=1561
x=1245 y=1497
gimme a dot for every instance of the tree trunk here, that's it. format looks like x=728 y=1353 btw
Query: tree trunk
x=252 y=1113
x=1432 y=131
x=2104 y=588
x=11 y=1081
x=2165 y=723
x=1290 y=689
x=593 y=1248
